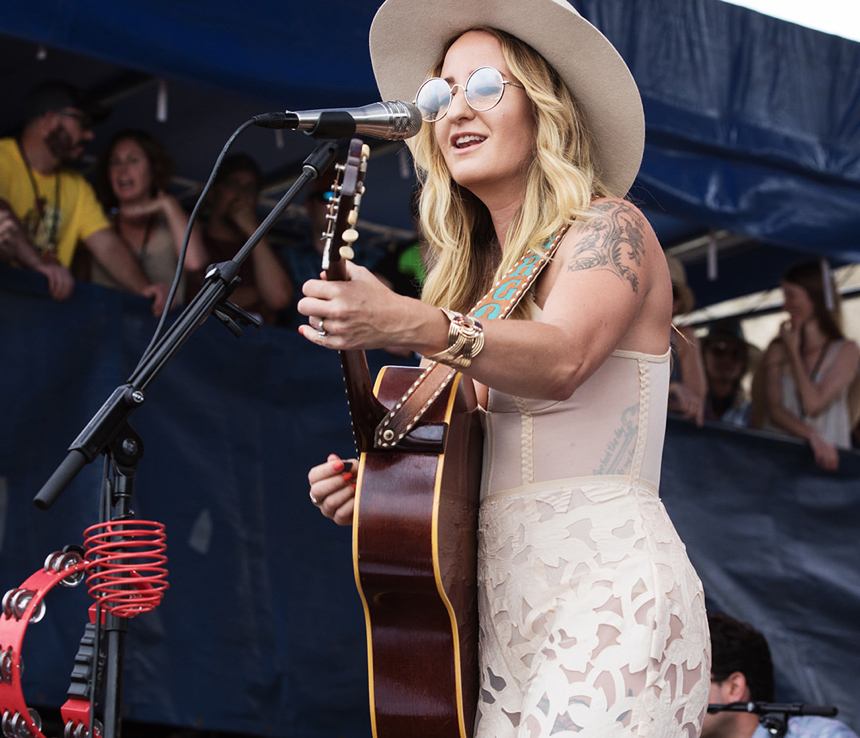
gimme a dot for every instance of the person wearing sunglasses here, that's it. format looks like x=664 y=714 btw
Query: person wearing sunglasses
x=728 y=359
x=592 y=619
x=47 y=207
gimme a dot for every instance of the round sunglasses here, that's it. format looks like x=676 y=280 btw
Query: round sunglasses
x=483 y=90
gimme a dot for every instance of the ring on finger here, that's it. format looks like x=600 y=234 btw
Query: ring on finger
x=321 y=331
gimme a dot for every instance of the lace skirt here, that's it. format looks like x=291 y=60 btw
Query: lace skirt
x=592 y=618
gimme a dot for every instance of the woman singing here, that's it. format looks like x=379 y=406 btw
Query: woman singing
x=592 y=620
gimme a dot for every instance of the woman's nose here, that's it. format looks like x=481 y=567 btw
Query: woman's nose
x=459 y=108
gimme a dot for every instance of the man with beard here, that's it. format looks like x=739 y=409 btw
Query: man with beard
x=47 y=207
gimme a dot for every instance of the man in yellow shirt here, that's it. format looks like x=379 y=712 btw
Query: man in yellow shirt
x=47 y=207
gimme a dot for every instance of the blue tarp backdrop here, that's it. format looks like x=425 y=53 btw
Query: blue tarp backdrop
x=752 y=123
x=261 y=631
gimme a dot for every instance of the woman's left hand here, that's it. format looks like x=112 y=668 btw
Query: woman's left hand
x=826 y=453
x=360 y=313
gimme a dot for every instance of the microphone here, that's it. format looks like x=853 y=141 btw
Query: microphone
x=393 y=120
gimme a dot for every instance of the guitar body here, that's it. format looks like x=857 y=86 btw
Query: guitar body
x=414 y=554
x=414 y=528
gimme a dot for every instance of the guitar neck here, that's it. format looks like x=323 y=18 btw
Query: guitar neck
x=366 y=412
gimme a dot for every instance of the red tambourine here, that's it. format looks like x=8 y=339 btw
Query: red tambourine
x=124 y=566
x=19 y=608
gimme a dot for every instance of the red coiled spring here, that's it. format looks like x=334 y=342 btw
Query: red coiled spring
x=127 y=570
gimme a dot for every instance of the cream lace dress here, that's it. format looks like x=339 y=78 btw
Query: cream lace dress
x=592 y=619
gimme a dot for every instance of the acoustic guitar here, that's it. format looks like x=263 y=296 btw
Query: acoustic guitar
x=414 y=530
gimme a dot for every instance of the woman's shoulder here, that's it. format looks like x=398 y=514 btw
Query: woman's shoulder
x=614 y=207
x=610 y=220
x=848 y=350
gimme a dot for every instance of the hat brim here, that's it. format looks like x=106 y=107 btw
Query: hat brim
x=407 y=37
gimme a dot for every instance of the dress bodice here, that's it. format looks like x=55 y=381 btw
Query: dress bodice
x=612 y=425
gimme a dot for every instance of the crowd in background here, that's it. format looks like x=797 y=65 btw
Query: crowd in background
x=120 y=227
x=806 y=382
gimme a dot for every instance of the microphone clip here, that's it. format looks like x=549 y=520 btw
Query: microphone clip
x=331 y=124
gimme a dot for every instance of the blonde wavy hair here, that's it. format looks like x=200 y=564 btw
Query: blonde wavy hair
x=561 y=183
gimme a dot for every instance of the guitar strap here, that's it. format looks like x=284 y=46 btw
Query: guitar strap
x=497 y=304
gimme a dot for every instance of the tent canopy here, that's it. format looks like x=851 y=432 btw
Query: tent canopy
x=753 y=124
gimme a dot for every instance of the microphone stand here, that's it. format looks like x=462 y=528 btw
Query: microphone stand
x=774 y=715
x=109 y=432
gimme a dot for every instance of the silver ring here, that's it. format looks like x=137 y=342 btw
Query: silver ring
x=321 y=331
x=315 y=500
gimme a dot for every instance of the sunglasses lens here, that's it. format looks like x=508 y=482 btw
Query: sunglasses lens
x=433 y=99
x=484 y=88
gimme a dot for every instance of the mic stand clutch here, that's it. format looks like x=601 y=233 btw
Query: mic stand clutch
x=774 y=715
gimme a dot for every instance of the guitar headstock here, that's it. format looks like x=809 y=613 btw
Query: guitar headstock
x=343 y=207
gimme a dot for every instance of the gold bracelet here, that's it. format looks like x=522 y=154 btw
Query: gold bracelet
x=465 y=341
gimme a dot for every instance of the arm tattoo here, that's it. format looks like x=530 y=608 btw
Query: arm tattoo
x=615 y=241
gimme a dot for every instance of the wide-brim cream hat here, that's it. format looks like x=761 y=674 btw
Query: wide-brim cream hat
x=408 y=36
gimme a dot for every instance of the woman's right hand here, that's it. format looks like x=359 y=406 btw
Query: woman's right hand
x=683 y=400
x=790 y=336
x=333 y=488
x=826 y=454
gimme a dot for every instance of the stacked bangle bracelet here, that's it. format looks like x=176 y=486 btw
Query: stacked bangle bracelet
x=465 y=341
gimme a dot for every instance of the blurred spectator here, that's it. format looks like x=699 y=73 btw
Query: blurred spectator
x=405 y=268
x=728 y=360
x=266 y=287
x=132 y=176
x=808 y=368
x=687 y=385
x=742 y=671
x=47 y=207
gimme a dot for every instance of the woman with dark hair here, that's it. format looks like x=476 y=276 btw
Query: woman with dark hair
x=810 y=366
x=132 y=176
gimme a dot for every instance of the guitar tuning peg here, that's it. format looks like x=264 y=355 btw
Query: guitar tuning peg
x=350 y=235
x=346 y=252
x=365 y=150
x=352 y=218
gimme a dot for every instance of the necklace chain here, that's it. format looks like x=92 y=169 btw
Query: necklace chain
x=48 y=250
